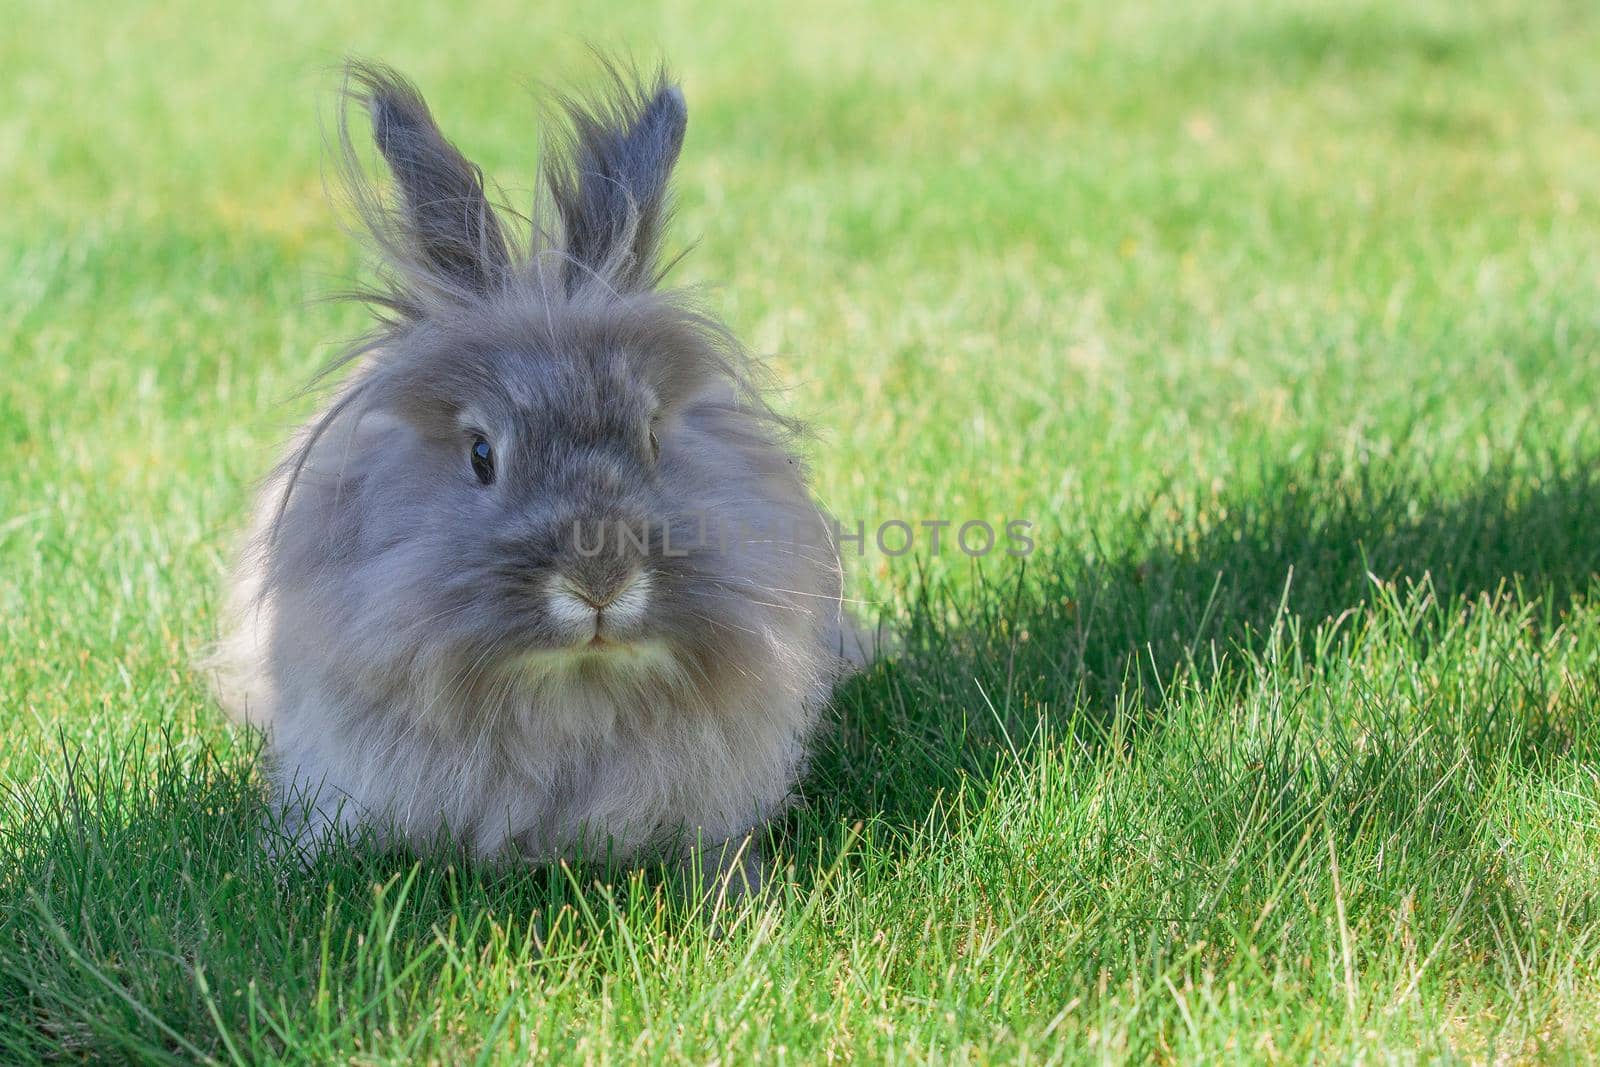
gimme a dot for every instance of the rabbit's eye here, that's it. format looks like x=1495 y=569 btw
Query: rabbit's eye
x=482 y=460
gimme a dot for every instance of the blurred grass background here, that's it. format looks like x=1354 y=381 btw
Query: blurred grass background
x=1280 y=321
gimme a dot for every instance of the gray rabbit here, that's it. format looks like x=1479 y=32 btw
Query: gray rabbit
x=544 y=576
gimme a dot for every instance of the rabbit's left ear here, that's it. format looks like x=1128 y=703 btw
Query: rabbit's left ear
x=612 y=195
x=447 y=218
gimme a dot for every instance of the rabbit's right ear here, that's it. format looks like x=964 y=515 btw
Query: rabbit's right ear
x=447 y=222
x=612 y=194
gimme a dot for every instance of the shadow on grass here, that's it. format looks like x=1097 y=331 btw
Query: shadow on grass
x=142 y=919
x=1095 y=638
x=125 y=878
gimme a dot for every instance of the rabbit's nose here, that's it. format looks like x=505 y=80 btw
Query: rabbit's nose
x=598 y=582
x=596 y=595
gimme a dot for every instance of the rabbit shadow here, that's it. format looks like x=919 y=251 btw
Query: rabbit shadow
x=1087 y=638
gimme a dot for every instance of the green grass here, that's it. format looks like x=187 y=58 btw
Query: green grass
x=1281 y=321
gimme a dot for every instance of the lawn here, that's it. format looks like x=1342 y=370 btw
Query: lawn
x=1281 y=322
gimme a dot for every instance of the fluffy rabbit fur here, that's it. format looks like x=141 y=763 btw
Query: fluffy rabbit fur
x=534 y=429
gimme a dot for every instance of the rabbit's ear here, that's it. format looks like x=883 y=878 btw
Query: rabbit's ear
x=611 y=196
x=447 y=218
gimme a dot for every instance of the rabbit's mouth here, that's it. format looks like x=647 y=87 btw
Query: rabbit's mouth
x=600 y=645
x=599 y=659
